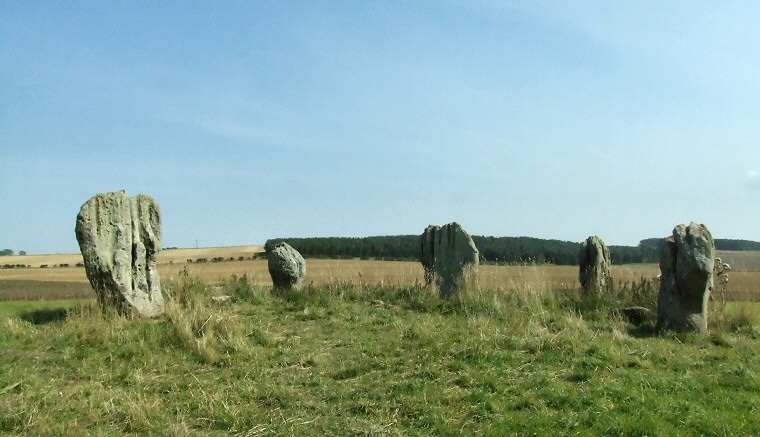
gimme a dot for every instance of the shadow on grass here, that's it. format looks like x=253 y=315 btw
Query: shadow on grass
x=43 y=317
x=645 y=330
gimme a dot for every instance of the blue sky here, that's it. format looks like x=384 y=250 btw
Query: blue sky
x=251 y=120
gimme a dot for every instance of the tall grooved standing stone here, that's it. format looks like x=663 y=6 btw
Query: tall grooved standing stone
x=286 y=267
x=686 y=280
x=119 y=238
x=449 y=257
x=595 y=272
x=427 y=251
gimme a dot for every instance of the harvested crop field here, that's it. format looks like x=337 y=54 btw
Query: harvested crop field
x=71 y=281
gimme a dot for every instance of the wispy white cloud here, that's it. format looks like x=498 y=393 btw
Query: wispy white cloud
x=752 y=184
x=242 y=131
x=706 y=44
x=753 y=181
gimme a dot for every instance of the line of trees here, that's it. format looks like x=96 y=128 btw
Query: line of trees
x=722 y=244
x=394 y=247
x=520 y=250
x=493 y=250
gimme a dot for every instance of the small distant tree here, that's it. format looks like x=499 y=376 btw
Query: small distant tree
x=6 y=252
x=22 y=252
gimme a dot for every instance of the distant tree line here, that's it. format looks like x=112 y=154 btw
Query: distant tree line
x=395 y=247
x=722 y=244
x=501 y=250
x=10 y=252
x=493 y=250
x=651 y=246
x=521 y=250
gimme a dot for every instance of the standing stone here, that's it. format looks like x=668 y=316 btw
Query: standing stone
x=449 y=257
x=686 y=280
x=286 y=267
x=119 y=238
x=427 y=251
x=595 y=265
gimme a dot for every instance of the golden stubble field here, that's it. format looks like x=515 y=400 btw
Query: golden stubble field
x=744 y=279
x=164 y=257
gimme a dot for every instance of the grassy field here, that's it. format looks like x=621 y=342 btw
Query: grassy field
x=14 y=289
x=363 y=359
x=366 y=350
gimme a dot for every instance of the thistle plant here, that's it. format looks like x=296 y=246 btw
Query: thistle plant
x=720 y=281
x=720 y=277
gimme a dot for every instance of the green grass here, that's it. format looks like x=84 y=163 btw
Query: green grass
x=35 y=311
x=350 y=359
x=19 y=289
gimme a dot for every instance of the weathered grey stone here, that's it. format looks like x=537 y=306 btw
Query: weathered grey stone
x=427 y=251
x=119 y=238
x=449 y=257
x=595 y=266
x=686 y=280
x=636 y=314
x=286 y=267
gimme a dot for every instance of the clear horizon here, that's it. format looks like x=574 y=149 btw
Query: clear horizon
x=248 y=121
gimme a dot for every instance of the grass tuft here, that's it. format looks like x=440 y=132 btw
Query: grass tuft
x=740 y=318
x=198 y=324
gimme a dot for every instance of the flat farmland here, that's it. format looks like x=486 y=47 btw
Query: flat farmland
x=70 y=282
x=741 y=261
x=166 y=256
x=324 y=271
